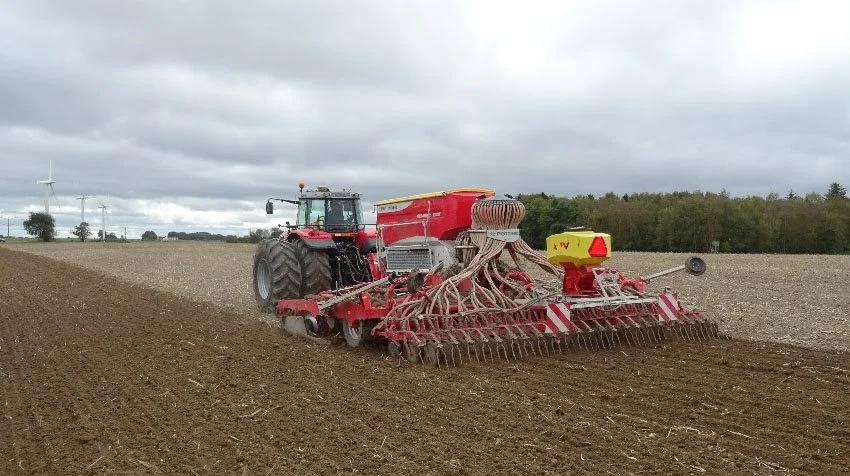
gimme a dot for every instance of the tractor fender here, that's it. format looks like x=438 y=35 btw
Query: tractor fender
x=317 y=243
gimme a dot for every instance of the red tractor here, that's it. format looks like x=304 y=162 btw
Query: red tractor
x=328 y=248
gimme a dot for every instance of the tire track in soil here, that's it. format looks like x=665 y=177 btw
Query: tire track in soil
x=149 y=383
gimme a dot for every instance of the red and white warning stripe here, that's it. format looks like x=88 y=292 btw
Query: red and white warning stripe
x=668 y=305
x=558 y=319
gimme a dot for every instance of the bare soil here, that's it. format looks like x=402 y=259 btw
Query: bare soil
x=98 y=376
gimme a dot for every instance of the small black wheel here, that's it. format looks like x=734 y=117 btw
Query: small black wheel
x=695 y=265
x=394 y=348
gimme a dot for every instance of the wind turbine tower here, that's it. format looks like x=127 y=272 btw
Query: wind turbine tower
x=82 y=199
x=48 y=189
x=103 y=208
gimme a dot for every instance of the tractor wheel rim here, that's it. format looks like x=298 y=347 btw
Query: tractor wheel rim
x=264 y=278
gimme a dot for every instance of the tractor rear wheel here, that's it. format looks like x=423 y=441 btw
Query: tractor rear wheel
x=277 y=273
x=315 y=269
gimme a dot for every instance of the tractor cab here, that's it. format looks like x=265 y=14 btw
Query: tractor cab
x=322 y=209
x=334 y=212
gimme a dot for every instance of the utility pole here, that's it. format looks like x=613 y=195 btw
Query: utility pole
x=125 y=233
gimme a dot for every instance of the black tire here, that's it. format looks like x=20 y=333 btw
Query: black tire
x=283 y=280
x=315 y=269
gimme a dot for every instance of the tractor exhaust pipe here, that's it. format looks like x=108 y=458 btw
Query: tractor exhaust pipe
x=694 y=266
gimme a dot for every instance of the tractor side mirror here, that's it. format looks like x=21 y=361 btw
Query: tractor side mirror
x=269 y=208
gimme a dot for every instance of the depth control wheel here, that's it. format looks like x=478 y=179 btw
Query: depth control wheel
x=355 y=334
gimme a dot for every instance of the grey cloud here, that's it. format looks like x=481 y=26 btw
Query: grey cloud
x=215 y=106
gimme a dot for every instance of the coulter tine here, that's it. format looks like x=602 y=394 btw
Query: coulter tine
x=651 y=335
x=661 y=333
x=697 y=331
x=623 y=330
x=526 y=345
x=688 y=332
x=539 y=348
x=703 y=330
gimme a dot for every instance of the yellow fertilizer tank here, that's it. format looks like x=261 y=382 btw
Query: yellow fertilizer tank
x=581 y=248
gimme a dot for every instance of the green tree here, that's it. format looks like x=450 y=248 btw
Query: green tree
x=41 y=225
x=836 y=190
x=258 y=235
x=149 y=235
x=82 y=231
x=109 y=236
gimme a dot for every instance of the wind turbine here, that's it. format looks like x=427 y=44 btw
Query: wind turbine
x=103 y=208
x=48 y=189
x=82 y=199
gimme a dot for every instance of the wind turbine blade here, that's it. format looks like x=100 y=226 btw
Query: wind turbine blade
x=52 y=192
x=51 y=170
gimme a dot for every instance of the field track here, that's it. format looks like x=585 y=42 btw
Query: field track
x=98 y=376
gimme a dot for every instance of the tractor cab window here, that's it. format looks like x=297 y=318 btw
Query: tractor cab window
x=342 y=215
x=334 y=215
x=312 y=212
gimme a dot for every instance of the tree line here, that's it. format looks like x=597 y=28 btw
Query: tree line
x=695 y=221
x=253 y=236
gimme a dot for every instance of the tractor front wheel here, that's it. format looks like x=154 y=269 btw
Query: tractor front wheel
x=277 y=273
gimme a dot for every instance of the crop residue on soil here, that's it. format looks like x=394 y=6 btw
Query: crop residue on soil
x=100 y=377
x=790 y=299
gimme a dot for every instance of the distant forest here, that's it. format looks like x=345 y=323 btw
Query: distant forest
x=678 y=222
x=691 y=221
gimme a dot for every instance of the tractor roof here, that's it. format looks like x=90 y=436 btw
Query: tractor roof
x=323 y=192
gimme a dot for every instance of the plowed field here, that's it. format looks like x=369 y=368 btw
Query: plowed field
x=102 y=377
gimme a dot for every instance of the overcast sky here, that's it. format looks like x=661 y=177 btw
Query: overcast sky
x=188 y=114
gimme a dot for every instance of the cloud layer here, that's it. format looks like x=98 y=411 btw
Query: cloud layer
x=188 y=115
